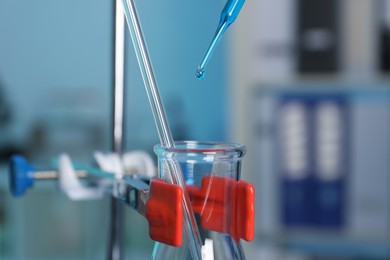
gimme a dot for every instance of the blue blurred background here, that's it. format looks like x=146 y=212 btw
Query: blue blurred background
x=302 y=83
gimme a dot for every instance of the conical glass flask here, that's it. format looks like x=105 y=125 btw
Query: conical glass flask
x=223 y=214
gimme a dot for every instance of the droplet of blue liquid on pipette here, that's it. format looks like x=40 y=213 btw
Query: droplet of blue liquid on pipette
x=199 y=74
x=228 y=15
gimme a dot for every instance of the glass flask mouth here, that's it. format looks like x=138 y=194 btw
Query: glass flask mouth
x=198 y=147
x=211 y=171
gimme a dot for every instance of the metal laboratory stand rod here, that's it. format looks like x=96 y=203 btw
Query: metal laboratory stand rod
x=115 y=250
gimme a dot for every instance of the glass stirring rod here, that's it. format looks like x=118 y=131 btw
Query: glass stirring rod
x=228 y=15
x=161 y=122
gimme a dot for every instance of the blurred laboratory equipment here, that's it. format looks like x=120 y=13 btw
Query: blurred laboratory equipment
x=228 y=16
x=312 y=145
x=223 y=204
x=322 y=154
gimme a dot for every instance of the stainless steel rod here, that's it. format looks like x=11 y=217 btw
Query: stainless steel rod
x=115 y=249
x=54 y=175
x=51 y=175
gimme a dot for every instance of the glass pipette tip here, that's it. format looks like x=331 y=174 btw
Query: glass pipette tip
x=228 y=15
x=200 y=72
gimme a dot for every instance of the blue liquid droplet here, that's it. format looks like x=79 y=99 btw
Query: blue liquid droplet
x=200 y=73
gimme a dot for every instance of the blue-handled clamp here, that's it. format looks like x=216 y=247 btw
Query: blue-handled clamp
x=20 y=174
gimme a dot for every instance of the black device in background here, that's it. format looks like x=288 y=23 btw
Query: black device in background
x=318 y=36
x=384 y=34
x=4 y=110
x=385 y=49
x=7 y=148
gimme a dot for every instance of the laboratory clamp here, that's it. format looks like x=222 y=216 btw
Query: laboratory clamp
x=223 y=203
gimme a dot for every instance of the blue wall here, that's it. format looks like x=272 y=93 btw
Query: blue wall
x=55 y=68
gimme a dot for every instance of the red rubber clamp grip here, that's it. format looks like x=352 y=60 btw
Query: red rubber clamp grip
x=226 y=206
x=164 y=212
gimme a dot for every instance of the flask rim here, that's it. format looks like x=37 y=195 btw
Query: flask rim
x=201 y=147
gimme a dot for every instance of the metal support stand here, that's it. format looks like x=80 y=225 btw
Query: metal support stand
x=115 y=251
